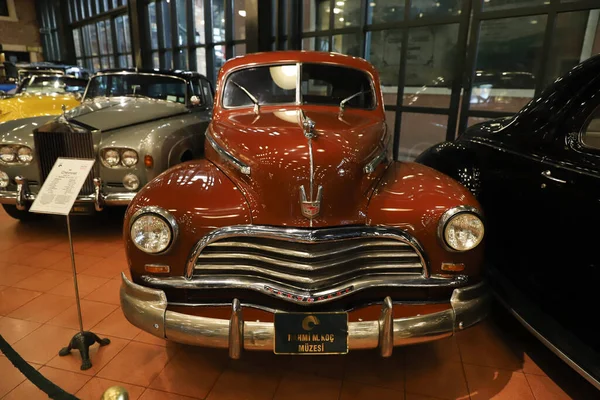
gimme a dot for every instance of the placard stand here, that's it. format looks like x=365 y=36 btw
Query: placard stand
x=57 y=196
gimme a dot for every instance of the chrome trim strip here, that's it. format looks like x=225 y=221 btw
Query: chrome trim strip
x=236 y=330
x=22 y=191
x=244 y=169
x=258 y=284
x=98 y=198
x=378 y=159
x=386 y=328
x=147 y=309
x=448 y=214
x=305 y=236
x=298 y=83
x=565 y=358
x=167 y=216
x=111 y=199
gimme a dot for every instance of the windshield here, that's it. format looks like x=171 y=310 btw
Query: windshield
x=53 y=84
x=320 y=84
x=138 y=85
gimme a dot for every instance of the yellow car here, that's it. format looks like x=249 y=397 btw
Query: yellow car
x=42 y=95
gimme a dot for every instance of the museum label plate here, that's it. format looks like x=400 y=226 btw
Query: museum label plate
x=311 y=333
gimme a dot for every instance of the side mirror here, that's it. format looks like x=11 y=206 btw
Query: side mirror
x=77 y=96
x=195 y=101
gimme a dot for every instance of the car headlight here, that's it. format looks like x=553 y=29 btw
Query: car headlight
x=8 y=154
x=111 y=157
x=131 y=182
x=25 y=155
x=4 y=179
x=129 y=158
x=153 y=230
x=461 y=228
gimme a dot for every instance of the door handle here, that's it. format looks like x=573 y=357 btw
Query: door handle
x=548 y=175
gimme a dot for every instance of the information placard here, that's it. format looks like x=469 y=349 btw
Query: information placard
x=62 y=186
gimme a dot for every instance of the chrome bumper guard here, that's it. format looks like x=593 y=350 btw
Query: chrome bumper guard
x=146 y=308
x=22 y=197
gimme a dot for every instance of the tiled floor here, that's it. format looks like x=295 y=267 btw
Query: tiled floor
x=496 y=359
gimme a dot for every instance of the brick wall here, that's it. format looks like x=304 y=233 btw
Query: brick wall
x=24 y=32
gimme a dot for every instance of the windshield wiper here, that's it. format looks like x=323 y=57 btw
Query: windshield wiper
x=250 y=96
x=347 y=99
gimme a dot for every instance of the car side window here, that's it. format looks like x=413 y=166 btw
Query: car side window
x=590 y=135
x=197 y=91
x=208 y=93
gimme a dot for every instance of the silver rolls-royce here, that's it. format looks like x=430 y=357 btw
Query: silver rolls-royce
x=135 y=123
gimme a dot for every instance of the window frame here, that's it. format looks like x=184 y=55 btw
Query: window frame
x=12 y=12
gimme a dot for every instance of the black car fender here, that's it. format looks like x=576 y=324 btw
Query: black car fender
x=455 y=160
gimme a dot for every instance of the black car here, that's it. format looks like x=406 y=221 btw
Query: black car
x=537 y=176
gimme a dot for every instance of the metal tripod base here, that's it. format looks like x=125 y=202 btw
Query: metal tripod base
x=82 y=342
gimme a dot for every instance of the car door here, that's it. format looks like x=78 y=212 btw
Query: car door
x=509 y=160
x=568 y=276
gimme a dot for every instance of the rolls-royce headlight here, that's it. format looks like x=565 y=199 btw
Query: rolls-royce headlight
x=112 y=157
x=461 y=228
x=25 y=154
x=129 y=158
x=153 y=230
x=8 y=154
x=4 y=179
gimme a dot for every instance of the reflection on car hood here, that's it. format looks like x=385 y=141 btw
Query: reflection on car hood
x=116 y=112
x=26 y=105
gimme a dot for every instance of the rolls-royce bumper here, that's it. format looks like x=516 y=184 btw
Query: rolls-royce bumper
x=23 y=196
x=146 y=308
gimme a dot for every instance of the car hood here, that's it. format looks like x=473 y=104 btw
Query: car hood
x=106 y=114
x=275 y=147
x=27 y=105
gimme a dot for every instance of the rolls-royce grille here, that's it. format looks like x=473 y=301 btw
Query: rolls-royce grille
x=311 y=266
x=50 y=146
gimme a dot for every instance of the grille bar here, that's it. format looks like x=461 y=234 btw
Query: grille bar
x=52 y=145
x=241 y=257
x=313 y=282
x=271 y=246
x=308 y=260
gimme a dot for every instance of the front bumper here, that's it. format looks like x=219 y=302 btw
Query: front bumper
x=22 y=197
x=146 y=308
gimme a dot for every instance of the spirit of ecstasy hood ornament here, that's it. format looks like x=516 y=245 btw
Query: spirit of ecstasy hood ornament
x=310 y=207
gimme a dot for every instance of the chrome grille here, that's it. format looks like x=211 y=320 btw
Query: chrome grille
x=307 y=260
x=50 y=146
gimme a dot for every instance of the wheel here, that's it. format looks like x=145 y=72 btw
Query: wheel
x=21 y=215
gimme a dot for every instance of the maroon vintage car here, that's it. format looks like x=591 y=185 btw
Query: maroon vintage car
x=298 y=234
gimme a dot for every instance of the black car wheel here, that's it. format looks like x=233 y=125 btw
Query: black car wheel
x=21 y=215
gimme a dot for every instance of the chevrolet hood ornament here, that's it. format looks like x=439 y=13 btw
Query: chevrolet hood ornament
x=310 y=208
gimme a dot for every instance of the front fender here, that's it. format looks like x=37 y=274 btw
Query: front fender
x=456 y=160
x=20 y=131
x=414 y=197
x=200 y=197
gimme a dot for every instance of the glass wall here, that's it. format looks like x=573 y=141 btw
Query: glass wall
x=445 y=65
x=101 y=33
x=415 y=54
x=195 y=34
